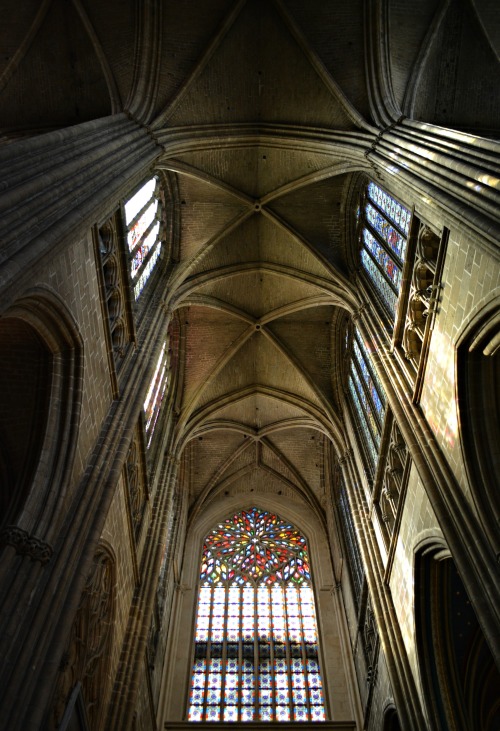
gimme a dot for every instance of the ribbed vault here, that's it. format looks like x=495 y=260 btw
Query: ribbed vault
x=262 y=278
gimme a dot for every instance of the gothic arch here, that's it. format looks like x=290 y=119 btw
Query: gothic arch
x=327 y=605
x=478 y=392
x=391 y=720
x=43 y=361
x=458 y=674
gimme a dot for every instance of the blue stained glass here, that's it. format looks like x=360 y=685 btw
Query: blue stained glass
x=247 y=695
x=315 y=696
x=392 y=238
x=213 y=695
x=373 y=452
x=213 y=713
x=197 y=696
x=199 y=680
x=195 y=713
x=282 y=696
x=282 y=713
x=310 y=635
x=265 y=693
x=381 y=284
x=317 y=713
x=369 y=415
x=298 y=680
x=368 y=437
x=266 y=713
x=300 y=713
x=389 y=267
x=231 y=713
x=372 y=390
x=281 y=681
x=391 y=207
x=360 y=347
x=214 y=680
x=299 y=695
x=279 y=603
x=314 y=680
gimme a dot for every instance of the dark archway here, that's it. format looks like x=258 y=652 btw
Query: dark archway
x=391 y=720
x=459 y=676
x=478 y=376
x=25 y=385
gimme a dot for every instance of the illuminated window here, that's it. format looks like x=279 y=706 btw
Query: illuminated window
x=384 y=231
x=368 y=397
x=355 y=562
x=155 y=394
x=256 y=644
x=143 y=221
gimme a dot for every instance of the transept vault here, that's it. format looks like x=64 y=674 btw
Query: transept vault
x=249 y=266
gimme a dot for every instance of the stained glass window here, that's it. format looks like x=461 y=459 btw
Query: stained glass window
x=367 y=397
x=155 y=394
x=384 y=226
x=353 y=553
x=256 y=643
x=143 y=221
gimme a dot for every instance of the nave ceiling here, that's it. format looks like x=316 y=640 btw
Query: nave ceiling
x=264 y=111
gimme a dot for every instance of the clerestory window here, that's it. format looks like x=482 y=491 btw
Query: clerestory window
x=367 y=397
x=256 y=643
x=143 y=215
x=384 y=232
x=155 y=394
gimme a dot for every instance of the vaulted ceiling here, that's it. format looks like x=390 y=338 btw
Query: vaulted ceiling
x=263 y=110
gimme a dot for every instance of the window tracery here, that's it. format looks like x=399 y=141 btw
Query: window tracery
x=354 y=559
x=155 y=394
x=143 y=216
x=136 y=482
x=367 y=397
x=384 y=232
x=256 y=644
x=114 y=279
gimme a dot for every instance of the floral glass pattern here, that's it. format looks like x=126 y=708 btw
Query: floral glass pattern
x=384 y=225
x=256 y=644
x=142 y=219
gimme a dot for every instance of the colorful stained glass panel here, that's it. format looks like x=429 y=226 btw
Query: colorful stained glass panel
x=240 y=601
x=394 y=210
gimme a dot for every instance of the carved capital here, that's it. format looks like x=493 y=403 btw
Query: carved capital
x=26 y=544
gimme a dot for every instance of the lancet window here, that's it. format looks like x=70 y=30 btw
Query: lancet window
x=155 y=395
x=367 y=396
x=143 y=220
x=256 y=643
x=354 y=559
x=384 y=226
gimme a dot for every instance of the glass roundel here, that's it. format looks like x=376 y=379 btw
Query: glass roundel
x=256 y=645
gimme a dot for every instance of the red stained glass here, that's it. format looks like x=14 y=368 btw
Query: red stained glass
x=256 y=586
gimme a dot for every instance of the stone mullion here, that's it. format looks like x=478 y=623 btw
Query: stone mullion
x=402 y=681
x=465 y=537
